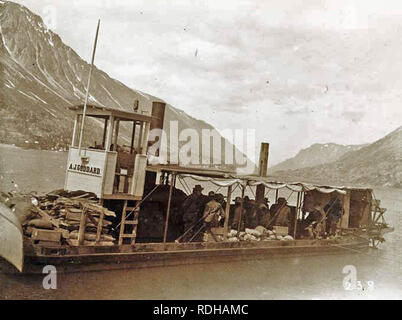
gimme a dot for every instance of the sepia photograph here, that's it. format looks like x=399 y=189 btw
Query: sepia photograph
x=200 y=155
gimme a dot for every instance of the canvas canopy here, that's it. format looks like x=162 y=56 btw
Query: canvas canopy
x=232 y=181
x=221 y=182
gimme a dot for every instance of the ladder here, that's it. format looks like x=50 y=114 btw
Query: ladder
x=132 y=222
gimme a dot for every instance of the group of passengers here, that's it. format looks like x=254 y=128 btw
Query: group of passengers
x=201 y=212
x=209 y=211
x=199 y=209
x=249 y=213
x=321 y=220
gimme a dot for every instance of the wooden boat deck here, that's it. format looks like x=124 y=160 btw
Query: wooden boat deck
x=91 y=258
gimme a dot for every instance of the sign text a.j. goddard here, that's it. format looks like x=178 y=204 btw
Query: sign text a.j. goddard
x=84 y=169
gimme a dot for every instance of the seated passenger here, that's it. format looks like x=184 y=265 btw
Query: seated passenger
x=251 y=214
x=280 y=213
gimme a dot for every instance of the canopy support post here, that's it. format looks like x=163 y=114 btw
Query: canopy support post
x=227 y=210
x=132 y=137
x=139 y=149
x=104 y=134
x=241 y=207
x=303 y=212
x=172 y=178
x=116 y=134
x=109 y=134
x=346 y=211
x=262 y=171
x=144 y=142
x=296 y=214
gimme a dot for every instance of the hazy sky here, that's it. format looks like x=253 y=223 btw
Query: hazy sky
x=300 y=72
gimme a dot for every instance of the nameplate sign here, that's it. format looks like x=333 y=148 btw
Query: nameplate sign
x=84 y=169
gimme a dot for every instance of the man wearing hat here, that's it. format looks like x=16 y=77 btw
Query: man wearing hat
x=191 y=208
x=213 y=211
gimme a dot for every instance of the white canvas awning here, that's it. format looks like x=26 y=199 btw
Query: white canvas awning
x=231 y=181
x=297 y=187
x=221 y=182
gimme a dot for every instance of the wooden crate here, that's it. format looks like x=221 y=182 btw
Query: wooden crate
x=46 y=235
x=73 y=216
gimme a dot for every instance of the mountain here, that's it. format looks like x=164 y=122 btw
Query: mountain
x=315 y=155
x=40 y=77
x=376 y=164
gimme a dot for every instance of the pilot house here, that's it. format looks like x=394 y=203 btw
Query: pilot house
x=109 y=170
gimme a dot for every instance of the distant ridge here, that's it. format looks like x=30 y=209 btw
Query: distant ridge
x=315 y=155
x=375 y=164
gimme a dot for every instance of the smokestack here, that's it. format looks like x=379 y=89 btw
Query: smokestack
x=262 y=170
x=158 y=116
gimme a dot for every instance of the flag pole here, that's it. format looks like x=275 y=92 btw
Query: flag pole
x=88 y=85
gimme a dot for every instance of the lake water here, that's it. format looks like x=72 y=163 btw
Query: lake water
x=303 y=277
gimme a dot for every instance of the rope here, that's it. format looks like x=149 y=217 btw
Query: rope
x=267 y=192
x=184 y=187
x=142 y=200
x=235 y=188
x=184 y=181
x=252 y=191
x=188 y=230
x=196 y=234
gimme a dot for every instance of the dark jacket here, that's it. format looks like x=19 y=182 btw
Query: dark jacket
x=333 y=210
x=191 y=207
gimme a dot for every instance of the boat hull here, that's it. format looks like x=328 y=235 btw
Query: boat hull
x=91 y=258
x=11 y=238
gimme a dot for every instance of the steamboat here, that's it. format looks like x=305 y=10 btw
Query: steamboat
x=128 y=194
x=113 y=197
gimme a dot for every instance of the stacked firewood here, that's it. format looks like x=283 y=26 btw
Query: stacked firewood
x=56 y=218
